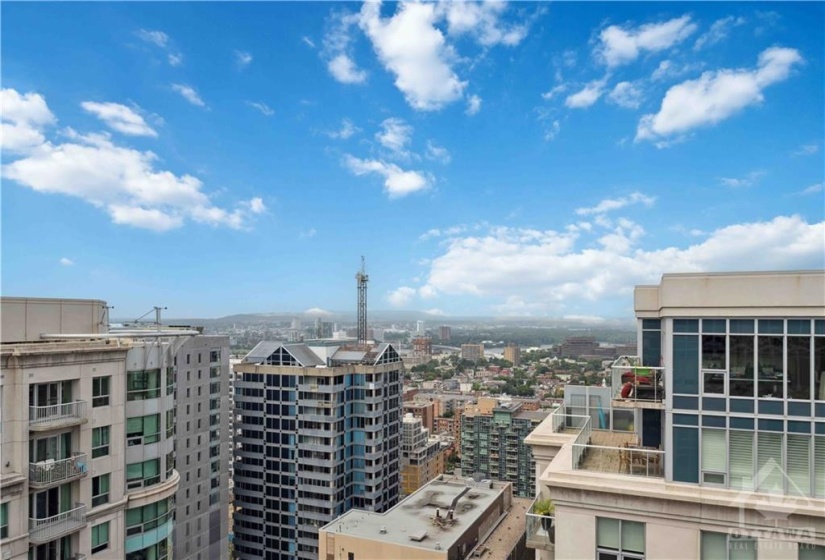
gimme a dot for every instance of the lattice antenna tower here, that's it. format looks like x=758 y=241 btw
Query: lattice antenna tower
x=362 y=278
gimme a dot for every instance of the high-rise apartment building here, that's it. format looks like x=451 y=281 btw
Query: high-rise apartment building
x=445 y=333
x=472 y=352
x=492 y=446
x=203 y=453
x=88 y=466
x=422 y=457
x=725 y=455
x=317 y=433
x=512 y=353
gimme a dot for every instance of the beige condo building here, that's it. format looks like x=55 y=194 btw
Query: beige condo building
x=725 y=453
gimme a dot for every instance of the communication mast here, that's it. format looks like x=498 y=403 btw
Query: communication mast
x=362 y=279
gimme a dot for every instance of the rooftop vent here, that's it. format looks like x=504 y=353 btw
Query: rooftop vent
x=383 y=529
x=418 y=536
x=438 y=546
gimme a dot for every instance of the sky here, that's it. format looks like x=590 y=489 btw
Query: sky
x=487 y=159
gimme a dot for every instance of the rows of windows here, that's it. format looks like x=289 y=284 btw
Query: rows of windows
x=618 y=539
x=765 y=358
x=144 y=384
x=143 y=519
x=775 y=458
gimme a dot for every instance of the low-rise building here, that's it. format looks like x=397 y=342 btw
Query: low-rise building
x=448 y=519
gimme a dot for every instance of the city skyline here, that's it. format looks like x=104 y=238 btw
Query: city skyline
x=498 y=159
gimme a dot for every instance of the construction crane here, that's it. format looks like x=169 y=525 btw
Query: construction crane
x=362 y=279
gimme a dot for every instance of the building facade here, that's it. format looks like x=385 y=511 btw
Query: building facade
x=512 y=353
x=492 y=446
x=87 y=434
x=317 y=434
x=725 y=455
x=202 y=450
x=422 y=456
x=445 y=333
x=472 y=352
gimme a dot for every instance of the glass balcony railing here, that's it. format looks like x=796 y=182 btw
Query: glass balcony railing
x=541 y=527
x=50 y=471
x=57 y=415
x=49 y=528
x=633 y=383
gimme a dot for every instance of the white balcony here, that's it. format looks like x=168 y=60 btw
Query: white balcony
x=46 y=473
x=50 y=528
x=57 y=415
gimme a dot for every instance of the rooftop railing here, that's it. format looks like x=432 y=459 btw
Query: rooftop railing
x=57 y=414
x=49 y=528
x=634 y=383
x=44 y=473
x=625 y=459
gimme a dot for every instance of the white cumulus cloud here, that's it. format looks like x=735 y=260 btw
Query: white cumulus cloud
x=716 y=96
x=611 y=204
x=119 y=117
x=556 y=272
x=587 y=96
x=23 y=119
x=347 y=129
x=397 y=182
x=473 y=105
x=627 y=94
x=620 y=45
x=65 y=261
x=189 y=93
x=410 y=46
x=345 y=70
x=718 y=32
x=122 y=181
x=395 y=135
x=482 y=20
x=401 y=297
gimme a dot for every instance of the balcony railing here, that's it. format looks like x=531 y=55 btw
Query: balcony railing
x=49 y=528
x=633 y=383
x=57 y=415
x=44 y=473
x=541 y=529
x=626 y=459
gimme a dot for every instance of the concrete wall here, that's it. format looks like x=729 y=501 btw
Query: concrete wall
x=25 y=319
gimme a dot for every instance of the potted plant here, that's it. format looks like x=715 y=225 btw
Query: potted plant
x=546 y=508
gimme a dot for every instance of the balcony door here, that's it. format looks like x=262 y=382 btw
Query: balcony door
x=58 y=549
x=55 y=447
x=51 y=502
x=49 y=394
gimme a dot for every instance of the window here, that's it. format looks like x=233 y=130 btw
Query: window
x=771 y=371
x=714 y=457
x=142 y=385
x=101 y=388
x=170 y=463
x=100 y=490
x=4 y=521
x=714 y=368
x=720 y=546
x=139 y=475
x=100 y=537
x=769 y=462
x=142 y=519
x=741 y=460
x=741 y=365
x=809 y=551
x=617 y=539
x=143 y=430
x=170 y=423
x=100 y=441
x=170 y=380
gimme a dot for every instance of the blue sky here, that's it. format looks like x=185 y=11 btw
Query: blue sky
x=487 y=159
